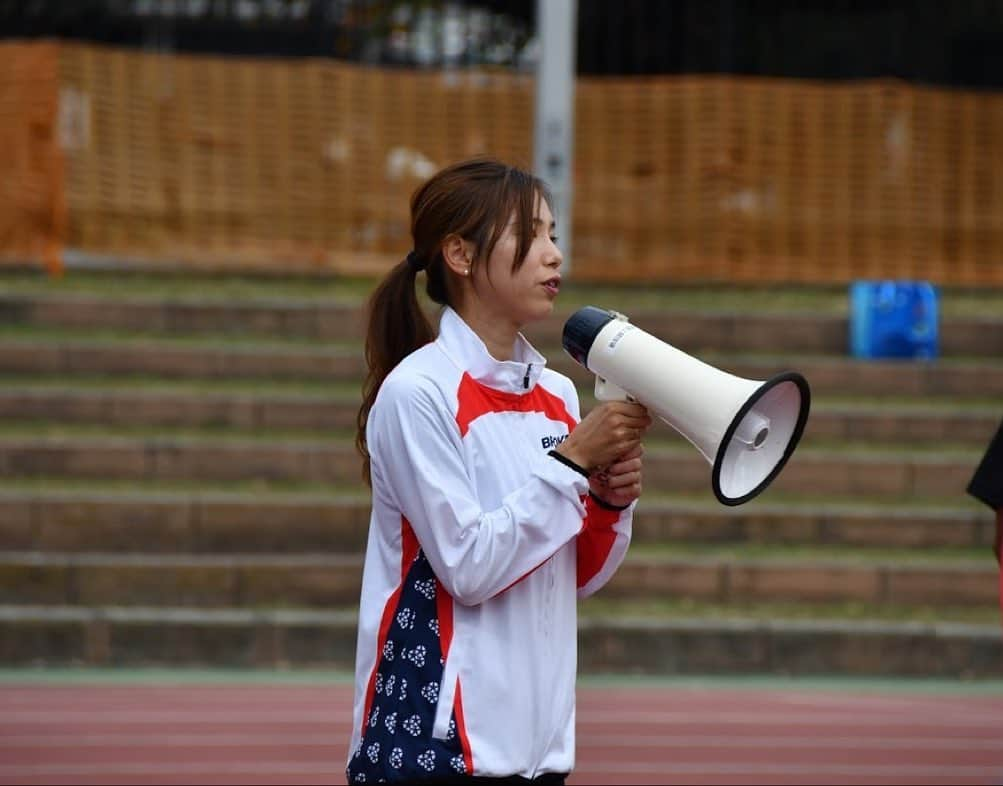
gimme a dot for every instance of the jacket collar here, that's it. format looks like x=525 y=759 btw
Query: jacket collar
x=468 y=352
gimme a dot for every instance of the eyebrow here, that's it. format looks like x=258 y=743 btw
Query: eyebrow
x=538 y=221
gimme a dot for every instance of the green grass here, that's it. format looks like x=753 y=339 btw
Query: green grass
x=186 y=284
x=127 y=284
x=195 y=674
x=660 y=440
x=932 y=449
x=48 y=430
x=941 y=556
x=812 y=503
x=214 y=339
x=274 y=490
x=903 y=404
x=320 y=389
x=348 y=392
x=210 y=340
x=769 y=502
x=598 y=607
x=587 y=682
x=822 y=300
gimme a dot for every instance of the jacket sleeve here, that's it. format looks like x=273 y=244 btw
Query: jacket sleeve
x=417 y=459
x=605 y=536
x=602 y=544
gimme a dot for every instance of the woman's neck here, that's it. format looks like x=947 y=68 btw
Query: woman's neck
x=498 y=336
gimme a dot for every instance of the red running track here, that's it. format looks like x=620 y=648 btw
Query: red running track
x=646 y=733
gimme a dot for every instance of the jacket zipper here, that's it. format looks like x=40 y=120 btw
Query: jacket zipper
x=525 y=379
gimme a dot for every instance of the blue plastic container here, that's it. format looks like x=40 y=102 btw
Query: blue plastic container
x=894 y=319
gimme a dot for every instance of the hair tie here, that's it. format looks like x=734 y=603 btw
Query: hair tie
x=414 y=261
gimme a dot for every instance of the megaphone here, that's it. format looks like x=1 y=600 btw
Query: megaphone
x=746 y=429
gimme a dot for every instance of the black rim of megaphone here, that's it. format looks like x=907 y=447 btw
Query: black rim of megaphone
x=787 y=376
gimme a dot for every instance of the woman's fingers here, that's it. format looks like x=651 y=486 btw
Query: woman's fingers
x=611 y=432
x=625 y=464
x=626 y=479
x=634 y=453
x=623 y=474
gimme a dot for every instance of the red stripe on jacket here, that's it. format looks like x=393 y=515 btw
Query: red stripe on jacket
x=597 y=537
x=409 y=551
x=476 y=399
x=444 y=611
x=595 y=540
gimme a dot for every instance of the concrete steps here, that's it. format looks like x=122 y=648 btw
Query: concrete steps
x=922 y=420
x=688 y=329
x=623 y=644
x=178 y=485
x=332 y=580
x=150 y=519
x=72 y=357
x=671 y=468
x=79 y=357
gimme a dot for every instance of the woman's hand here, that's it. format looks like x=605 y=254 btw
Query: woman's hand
x=610 y=431
x=620 y=483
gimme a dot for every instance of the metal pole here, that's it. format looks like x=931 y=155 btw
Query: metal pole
x=554 y=119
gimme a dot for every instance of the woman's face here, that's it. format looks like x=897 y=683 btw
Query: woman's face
x=526 y=294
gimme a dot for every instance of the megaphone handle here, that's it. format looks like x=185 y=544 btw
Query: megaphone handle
x=608 y=391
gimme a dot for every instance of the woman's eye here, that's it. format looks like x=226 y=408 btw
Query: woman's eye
x=554 y=239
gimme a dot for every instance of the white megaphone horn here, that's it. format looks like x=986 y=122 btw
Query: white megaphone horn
x=746 y=429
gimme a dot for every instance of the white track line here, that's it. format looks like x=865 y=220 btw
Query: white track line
x=732 y=768
x=738 y=768
x=781 y=742
x=960 y=719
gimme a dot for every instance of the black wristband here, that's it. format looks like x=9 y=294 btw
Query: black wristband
x=568 y=463
x=606 y=505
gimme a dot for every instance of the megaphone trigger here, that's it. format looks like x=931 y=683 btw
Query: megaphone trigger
x=746 y=429
x=607 y=391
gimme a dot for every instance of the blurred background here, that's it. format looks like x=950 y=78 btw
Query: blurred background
x=197 y=196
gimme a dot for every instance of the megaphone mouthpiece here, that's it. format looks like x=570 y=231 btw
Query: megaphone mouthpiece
x=746 y=429
x=581 y=329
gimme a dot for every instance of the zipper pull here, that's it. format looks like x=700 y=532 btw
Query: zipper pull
x=525 y=379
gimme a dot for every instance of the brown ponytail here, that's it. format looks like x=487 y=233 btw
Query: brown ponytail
x=397 y=326
x=473 y=199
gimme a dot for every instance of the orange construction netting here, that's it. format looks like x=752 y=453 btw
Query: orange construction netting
x=32 y=187
x=217 y=162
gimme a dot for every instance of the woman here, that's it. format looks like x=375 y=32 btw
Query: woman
x=494 y=508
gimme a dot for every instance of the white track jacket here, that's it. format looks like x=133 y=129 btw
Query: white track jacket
x=479 y=544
